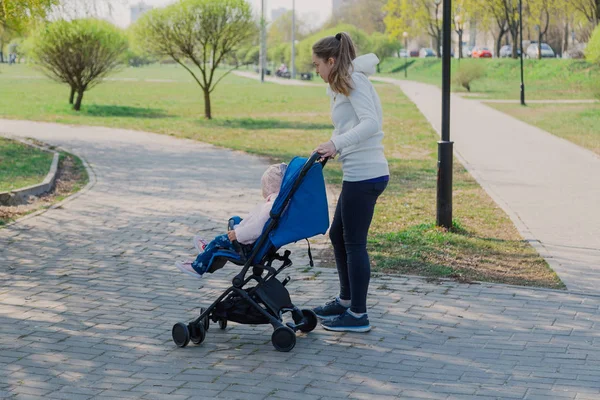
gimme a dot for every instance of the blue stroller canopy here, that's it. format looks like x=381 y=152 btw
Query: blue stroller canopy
x=301 y=207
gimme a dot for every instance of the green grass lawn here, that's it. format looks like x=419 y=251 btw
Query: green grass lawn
x=22 y=165
x=544 y=79
x=578 y=123
x=281 y=122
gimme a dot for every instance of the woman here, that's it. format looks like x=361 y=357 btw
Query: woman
x=357 y=118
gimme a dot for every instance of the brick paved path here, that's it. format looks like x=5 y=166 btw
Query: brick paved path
x=88 y=297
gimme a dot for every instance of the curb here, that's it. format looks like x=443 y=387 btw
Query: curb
x=20 y=196
x=91 y=182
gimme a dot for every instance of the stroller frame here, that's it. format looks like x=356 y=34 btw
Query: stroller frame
x=264 y=303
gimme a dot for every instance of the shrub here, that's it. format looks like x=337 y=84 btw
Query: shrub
x=592 y=51
x=467 y=73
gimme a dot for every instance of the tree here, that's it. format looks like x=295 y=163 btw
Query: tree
x=16 y=14
x=414 y=17
x=398 y=18
x=304 y=57
x=280 y=30
x=201 y=32
x=79 y=53
x=428 y=16
x=383 y=46
x=539 y=11
x=366 y=15
x=589 y=8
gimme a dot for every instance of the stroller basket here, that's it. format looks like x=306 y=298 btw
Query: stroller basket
x=299 y=212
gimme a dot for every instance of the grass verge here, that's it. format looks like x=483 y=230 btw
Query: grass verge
x=71 y=177
x=22 y=165
x=546 y=79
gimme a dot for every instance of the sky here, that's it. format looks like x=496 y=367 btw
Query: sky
x=313 y=12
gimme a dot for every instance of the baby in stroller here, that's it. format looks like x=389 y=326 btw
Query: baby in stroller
x=295 y=209
x=245 y=231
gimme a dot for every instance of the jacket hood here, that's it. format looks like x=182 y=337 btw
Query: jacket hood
x=366 y=64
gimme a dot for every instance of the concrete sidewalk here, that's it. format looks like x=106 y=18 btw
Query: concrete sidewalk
x=548 y=186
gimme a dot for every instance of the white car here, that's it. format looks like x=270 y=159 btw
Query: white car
x=532 y=51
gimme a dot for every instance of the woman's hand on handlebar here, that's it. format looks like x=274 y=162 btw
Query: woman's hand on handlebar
x=231 y=235
x=326 y=150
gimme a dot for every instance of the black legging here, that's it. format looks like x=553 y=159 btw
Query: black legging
x=348 y=234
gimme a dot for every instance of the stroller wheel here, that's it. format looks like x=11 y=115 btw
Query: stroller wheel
x=222 y=323
x=197 y=332
x=311 y=320
x=283 y=339
x=181 y=334
x=206 y=320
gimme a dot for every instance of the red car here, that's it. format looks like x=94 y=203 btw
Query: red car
x=481 y=52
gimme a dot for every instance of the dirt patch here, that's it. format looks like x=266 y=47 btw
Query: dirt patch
x=70 y=178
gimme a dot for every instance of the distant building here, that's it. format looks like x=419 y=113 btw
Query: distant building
x=278 y=12
x=138 y=10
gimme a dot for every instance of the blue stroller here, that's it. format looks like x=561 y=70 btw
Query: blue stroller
x=299 y=212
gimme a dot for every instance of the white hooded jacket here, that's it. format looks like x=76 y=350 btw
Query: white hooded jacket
x=358 y=122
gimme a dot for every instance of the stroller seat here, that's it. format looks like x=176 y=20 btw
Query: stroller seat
x=300 y=212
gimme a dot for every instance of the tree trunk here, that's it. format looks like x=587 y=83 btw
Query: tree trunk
x=207 y=111
x=540 y=36
x=77 y=105
x=72 y=96
x=516 y=45
x=460 y=44
x=566 y=39
x=499 y=43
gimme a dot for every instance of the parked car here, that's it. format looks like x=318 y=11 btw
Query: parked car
x=481 y=52
x=507 y=51
x=574 y=54
x=547 y=52
x=426 y=52
x=414 y=53
x=467 y=51
x=403 y=53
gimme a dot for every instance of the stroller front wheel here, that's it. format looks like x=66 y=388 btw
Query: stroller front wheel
x=222 y=323
x=283 y=339
x=181 y=334
x=310 y=319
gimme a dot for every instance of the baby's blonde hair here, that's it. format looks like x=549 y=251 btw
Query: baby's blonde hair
x=271 y=179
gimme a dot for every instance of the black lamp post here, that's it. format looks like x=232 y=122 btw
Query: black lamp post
x=444 y=177
x=521 y=45
x=405 y=34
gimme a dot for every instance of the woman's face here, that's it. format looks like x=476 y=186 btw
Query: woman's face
x=323 y=67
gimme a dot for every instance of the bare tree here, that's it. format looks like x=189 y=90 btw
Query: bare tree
x=79 y=53
x=201 y=32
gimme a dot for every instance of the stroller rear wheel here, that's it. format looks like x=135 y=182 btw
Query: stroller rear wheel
x=283 y=339
x=181 y=334
x=197 y=332
x=206 y=320
x=311 y=320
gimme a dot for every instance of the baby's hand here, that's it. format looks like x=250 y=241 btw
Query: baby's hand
x=231 y=236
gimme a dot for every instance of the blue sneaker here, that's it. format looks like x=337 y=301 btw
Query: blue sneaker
x=330 y=310
x=347 y=323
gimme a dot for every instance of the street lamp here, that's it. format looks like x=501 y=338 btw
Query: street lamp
x=293 y=39
x=521 y=45
x=263 y=42
x=405 y=35
x=444 y=178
